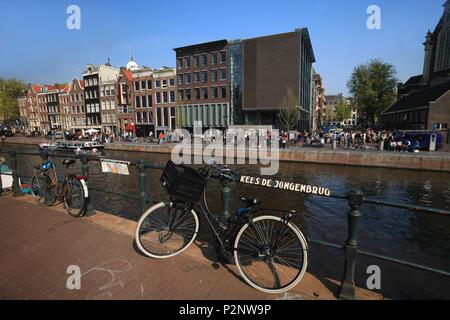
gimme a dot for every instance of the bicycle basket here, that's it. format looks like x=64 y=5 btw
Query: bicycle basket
x=182 y=182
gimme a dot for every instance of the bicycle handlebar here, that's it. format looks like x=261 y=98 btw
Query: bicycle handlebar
x=219 y=172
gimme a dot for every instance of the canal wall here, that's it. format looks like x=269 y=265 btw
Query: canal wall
x=437 y=161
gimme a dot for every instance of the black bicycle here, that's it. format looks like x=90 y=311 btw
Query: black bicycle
x=270 y=252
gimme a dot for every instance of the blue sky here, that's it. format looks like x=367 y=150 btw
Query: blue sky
x=36 y=46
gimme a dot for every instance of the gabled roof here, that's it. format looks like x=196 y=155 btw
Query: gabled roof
x=419 y=99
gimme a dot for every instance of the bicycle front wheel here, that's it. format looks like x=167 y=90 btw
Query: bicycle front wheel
x=164 y=231
x=271 y=254
x=43 y=189
x=75 y=199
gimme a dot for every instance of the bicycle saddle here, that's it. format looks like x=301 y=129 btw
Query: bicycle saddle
x=68 y=162
x=250 y=202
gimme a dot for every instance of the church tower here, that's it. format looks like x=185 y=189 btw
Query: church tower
x=442 y=60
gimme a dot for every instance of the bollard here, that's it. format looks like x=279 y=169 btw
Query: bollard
x=15 y=174
x=142 y=185
x=347 y=291
x=85 y=169
x=334 y=146
x=381 y=145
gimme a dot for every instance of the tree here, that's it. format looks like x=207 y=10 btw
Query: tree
x=10 y=90
x=373 y=88
x=343 y=111
x=289 y=113
x=330 y=114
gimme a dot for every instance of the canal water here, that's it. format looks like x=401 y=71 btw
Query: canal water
x=420 y=238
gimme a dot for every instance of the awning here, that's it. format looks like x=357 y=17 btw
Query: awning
x=131 y=128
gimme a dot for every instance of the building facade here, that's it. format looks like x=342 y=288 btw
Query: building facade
x=436 y=66
x=242 y=82
x=94 y=78
x=108 y=103
x=423 y=101
x=318 y=102
x=203 y=85
x=125 y=112
x=77 y=106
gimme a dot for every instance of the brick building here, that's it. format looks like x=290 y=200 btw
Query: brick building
x=203 y=85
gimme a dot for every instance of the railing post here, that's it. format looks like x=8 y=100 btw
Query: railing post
x=85 y=170
x=142 y=184
x=15 y=174
x=347 y=291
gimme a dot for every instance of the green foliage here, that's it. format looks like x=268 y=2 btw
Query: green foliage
x=330 y=114
x=10 y=90
x=343 y=111
x=373 y=88
x=289 y=113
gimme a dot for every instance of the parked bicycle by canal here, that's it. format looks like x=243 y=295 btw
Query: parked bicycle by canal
x=46 y=189
x=270 y=252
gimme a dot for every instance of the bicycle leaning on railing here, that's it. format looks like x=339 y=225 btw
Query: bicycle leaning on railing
x=46 y=189
x=270 y=252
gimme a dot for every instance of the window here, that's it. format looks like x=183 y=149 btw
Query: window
x=143 y=85
x=144 y=117
x=197 y=93
x=205 y=76
x=149 y=84
x=188 y=94
x=158 y=97
x=196 y=77
x=150 y=101
x=164 y=84
x=214 y=58
x=223 y=74
x=180 y=63
x=103 y=105
x=138 y=117
x=214 y=76
x=197 y=61
x=165 y=97
x=205 y=93
x=172 y=96
x=180 y=95
x=158 y=84
x=144 y=102
x=138 y=102
x=223 y=91
x=187 y=61
x=180 y=79
x=204 y=60
x=215 y=92
x=188 y=78
x=171 y=82
x=136 y=86
x=223 y=57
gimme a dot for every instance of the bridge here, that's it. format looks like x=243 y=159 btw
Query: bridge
x=39 y=244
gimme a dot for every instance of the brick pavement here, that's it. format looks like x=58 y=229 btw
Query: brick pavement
x=38 y=244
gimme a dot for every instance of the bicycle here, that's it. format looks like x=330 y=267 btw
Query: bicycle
x=270 y=252
x=46 y=189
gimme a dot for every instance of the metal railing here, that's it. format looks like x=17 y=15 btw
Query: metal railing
x=355 y=200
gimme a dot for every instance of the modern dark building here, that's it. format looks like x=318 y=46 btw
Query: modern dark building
x=242 y=82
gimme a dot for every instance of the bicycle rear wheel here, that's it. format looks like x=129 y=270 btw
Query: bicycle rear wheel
x=165 y=231
x=271 y=254
x=74 y=199
x=43 y=189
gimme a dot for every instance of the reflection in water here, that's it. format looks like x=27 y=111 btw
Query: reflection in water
x=417 y=237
